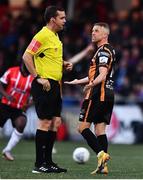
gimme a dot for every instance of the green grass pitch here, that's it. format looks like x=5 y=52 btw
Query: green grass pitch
x=126 y=162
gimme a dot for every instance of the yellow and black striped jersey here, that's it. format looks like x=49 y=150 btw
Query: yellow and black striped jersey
x=104 y=56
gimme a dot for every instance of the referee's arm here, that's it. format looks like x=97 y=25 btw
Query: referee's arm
x=29 y=63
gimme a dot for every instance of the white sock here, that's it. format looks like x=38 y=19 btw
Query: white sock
x=14 y=139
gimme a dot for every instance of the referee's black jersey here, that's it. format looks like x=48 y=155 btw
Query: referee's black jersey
x=104 y=56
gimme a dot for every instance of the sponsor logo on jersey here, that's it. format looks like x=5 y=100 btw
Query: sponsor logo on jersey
x=103 y=59
x=103 y=53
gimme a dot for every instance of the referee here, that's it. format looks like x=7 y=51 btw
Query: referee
x=44 y=60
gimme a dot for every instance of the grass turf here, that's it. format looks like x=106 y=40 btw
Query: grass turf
x=126 y=162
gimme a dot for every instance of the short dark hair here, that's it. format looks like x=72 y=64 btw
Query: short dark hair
x=51 y=11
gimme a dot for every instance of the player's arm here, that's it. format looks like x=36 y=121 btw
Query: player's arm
x=79 y=56
x=28 y=104
x=4 y=81
x=104 y=58
x=4 y=93
x=78 y=81
x=101 y=77
x=68 y=65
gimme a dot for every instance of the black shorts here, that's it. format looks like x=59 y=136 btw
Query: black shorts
x=47 y=104
x=7 y=112
x=96 y=111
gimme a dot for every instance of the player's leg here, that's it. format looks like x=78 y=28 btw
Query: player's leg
x=4 y=115
x=100 y=131
x=102 y=140
x=86 y=117
x=84 y=130
x=13 y=141
x=19 y=123
x=95 y=146
x=104 y=116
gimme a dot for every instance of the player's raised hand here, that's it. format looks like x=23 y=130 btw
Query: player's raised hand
x=75 y=81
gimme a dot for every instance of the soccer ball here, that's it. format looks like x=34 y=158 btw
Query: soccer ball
x=81 y=155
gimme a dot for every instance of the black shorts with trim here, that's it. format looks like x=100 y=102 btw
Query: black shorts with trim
x=8 y=112
x=47 y=104
x=96 y=111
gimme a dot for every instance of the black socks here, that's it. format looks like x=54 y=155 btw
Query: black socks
x=51 y=137
x=91 y=140
x=102 y=140
x=44 y=144
x=40 y=141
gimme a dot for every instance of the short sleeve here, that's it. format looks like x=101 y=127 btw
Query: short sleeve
x=104 y=58
x=5 y=78
x=34 y=46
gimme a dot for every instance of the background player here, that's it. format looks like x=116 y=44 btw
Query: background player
x=14 y=100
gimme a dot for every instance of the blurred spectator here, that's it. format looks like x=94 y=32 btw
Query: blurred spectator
x=122 y=83
x=1 y=62
x=4 y=4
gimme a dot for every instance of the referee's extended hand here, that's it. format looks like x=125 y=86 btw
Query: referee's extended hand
x=45 y=83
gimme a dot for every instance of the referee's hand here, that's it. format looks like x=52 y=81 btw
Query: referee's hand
x=45 y=83
x=68 y=66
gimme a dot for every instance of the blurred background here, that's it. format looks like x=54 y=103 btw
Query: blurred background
x=20 y=20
